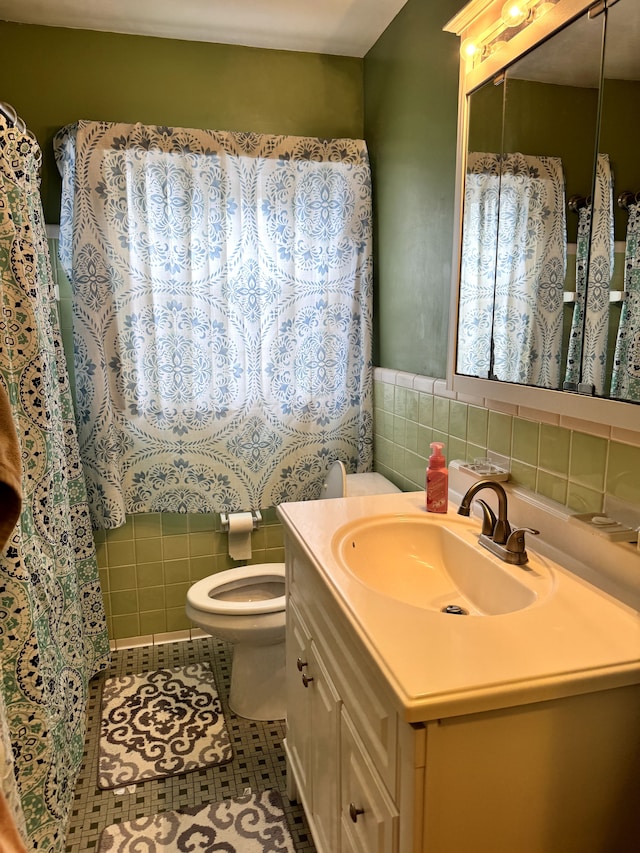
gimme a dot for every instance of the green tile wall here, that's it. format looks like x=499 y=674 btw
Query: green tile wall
x=572 y=467
x=147 y=566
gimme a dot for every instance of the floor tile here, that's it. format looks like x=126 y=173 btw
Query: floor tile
x=258 y=763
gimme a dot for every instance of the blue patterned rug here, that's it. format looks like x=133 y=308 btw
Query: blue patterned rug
x=160 y=723
x=250 y=824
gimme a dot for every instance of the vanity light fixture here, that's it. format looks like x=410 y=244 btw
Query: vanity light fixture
x=513 y=15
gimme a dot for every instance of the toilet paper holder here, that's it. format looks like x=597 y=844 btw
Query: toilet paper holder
x=255 y=513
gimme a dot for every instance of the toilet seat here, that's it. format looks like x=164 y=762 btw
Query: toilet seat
x=200 y=594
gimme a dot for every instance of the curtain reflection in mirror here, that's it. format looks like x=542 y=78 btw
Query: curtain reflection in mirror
x=513 y=269
x=625 y=381
x=587 y=355
x=477 y=274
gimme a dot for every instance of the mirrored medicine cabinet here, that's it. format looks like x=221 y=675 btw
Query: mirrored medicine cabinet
x=546 y=291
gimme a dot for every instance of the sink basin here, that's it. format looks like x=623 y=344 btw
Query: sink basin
x=432 y=565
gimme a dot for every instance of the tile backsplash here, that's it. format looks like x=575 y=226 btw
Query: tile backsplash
x=147 y=566
x=575 y=463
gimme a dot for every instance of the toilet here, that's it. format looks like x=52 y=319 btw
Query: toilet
x=246 y=606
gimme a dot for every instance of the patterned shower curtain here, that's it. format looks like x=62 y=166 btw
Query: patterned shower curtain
x=222 y=314
x=52 y=623
x=625 y=380
x=587 y=355
x=513 y=269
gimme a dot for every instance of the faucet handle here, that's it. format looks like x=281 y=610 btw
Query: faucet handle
x=488 y=518
x=515 y=542
x=495 y=528
x=502 y=531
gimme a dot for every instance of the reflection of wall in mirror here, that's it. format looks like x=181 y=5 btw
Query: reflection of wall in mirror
x=485 y=119
x=620 y=138
x=557 y=121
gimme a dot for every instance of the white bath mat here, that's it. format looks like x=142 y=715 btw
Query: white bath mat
x=250 y=824
x=160 y=723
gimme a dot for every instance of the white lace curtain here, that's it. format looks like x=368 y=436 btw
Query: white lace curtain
x=587 y=355
x=478 y=264
x=222 y=314
x=625 y=381
x=513 y=269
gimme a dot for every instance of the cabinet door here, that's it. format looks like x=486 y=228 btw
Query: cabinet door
x=369 y=818
x=298 y=707
x=325 y=711
x=313 y=713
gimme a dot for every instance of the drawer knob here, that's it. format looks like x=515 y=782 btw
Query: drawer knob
x=301 y=664
x=354 y=812
x=306 y=679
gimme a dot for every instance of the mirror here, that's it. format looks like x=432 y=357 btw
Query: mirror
x=551 y=116
x=529 y=324
x=549 y=291
x=619 y=135
x=595 y=373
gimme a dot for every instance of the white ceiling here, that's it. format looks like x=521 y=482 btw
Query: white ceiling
x=343 y=27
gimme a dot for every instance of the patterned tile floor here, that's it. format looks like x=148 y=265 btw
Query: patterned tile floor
x=258 y=763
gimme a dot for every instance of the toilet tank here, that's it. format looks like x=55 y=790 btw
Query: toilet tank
x=339 y=484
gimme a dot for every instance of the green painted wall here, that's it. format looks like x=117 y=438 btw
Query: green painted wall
x=410 y=96
x=61 y=75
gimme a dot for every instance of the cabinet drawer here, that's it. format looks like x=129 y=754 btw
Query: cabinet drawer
x=364 y=692
x=369 y=819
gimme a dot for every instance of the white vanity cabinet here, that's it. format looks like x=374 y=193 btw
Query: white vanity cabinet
x=342 y=724
x=558 y=772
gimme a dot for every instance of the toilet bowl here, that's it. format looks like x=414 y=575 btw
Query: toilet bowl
x=246 y=607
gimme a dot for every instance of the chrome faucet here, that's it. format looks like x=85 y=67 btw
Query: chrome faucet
x=496 y=535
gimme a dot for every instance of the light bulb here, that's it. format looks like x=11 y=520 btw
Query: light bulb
x=514 y=13
x=542 y=9
x=469 y=50
x=494 y=47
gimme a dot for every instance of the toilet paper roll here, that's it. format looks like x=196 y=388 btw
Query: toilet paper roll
x=240 y=527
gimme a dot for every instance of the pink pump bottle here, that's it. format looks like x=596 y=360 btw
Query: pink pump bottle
x=437 y=486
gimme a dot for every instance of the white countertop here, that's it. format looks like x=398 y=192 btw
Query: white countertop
x=576 y=639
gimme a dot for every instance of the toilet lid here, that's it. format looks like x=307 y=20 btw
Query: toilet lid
x=201 y=596
x=335 y=484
